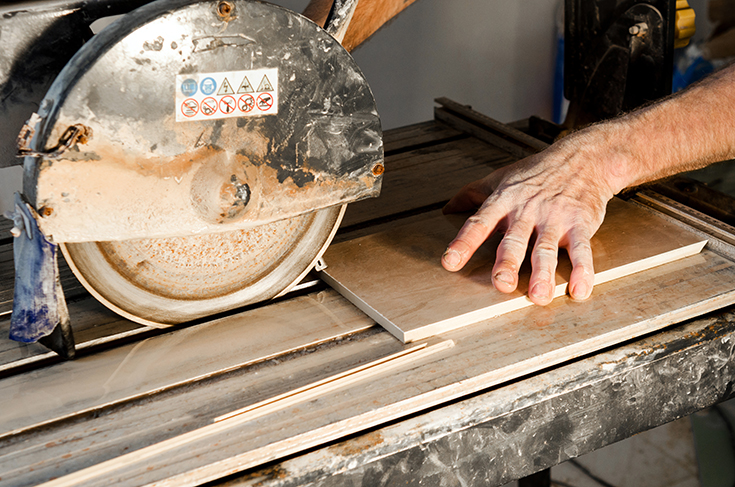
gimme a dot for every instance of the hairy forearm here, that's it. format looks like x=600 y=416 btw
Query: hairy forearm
x=686 y=131
x=557 y=198
x=369 y=16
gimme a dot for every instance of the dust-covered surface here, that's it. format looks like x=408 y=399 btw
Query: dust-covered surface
x=143 y=174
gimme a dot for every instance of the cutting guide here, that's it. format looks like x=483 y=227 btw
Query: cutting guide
x=248 y=93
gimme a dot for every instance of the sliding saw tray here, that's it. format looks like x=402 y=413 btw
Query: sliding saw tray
x=332 y=399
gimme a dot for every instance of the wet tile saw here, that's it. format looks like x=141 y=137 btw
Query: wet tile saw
x=190 y=158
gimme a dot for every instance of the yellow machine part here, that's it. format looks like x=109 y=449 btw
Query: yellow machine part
x=685 y=28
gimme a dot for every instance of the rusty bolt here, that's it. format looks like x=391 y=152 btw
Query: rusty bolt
x=378 y=169
x=224 y=10
x=85 y=135
x=45 y=211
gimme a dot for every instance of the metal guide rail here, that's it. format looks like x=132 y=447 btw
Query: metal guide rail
x=307 y=390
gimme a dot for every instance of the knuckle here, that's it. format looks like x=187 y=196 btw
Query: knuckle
x=546 y=249
x=507 y=264
x=477 y=220
x=515 y=241
x=581 y=246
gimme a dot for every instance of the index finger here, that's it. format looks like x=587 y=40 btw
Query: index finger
x=473 y=233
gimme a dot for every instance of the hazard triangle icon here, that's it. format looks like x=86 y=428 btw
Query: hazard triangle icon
x=226 y=88
x=245 y=86
x=265 y=85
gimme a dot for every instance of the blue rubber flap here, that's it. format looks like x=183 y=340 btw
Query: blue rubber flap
x=38 y=302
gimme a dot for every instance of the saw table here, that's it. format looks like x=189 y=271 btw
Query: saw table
x=306 y=389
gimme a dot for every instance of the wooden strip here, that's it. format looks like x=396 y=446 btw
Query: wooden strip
x=690 y=216
x=137 y=370
x=516 y=150
x=334 y=382
x=5 y=226
x=395 y=277
x=373 y=416
x=239 y=417
x=487 y=124
x=90 y=320
x=69 y=283
x=536 y=360
x=624 y=379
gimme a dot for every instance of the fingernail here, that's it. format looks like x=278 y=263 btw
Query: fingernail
x=580 y=291
x=540 y=290
x=504 y=277
x=452 y=258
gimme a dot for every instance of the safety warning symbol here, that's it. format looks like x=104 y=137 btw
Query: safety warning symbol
x=190 y=107
x=208 y=86
x=246 y=103
x=209 y=106
x=189 y=87
x=202 y=96
x=265 y=85
x=227 y=105
x=225 y=88
x=265 y=102
x=245 y=86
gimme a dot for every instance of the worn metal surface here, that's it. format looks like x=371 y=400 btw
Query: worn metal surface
x=38 y=39
x=339 y=18
x=142 y=173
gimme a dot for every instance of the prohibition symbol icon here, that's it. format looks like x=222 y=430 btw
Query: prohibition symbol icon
x=246 y=103
x=209 y=106
x=265 y=101
x=227 y=104
x=190 y=107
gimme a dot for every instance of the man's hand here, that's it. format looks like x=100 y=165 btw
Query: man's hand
x=559 y=195
x=556 y=196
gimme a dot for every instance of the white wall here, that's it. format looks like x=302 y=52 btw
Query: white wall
x=496 y=55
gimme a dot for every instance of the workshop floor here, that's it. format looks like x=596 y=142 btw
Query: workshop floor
x=691 y=452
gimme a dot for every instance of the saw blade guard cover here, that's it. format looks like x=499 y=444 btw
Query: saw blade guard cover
x=201 y=119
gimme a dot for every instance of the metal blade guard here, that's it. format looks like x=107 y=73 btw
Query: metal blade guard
x=187 y=117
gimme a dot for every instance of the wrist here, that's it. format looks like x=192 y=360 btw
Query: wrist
x=602 y=151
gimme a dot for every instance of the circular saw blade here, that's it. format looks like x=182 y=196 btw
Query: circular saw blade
x=164 y=281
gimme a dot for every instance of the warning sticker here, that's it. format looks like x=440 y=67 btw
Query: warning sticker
x=204 y=96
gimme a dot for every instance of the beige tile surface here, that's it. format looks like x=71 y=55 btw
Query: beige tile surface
x=395 y=276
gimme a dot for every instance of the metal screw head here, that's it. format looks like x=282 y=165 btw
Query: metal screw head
x=378 y=169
